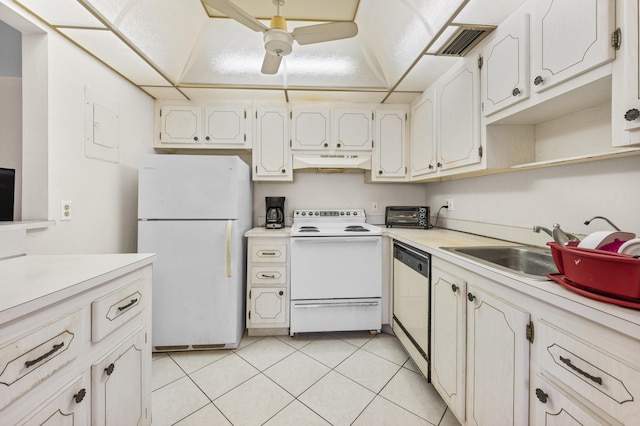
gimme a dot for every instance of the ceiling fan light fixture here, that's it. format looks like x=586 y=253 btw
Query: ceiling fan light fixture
x=278 y=42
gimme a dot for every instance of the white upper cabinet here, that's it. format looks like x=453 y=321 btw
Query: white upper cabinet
x=626 y=83
x=458 y=117
x=271 y=153
x=423 y=136
x=180 y=124
x=505 y=66
x=353 y=129
x=570 y=37
x=389 y=148
x=311 y=128
x=224 y=126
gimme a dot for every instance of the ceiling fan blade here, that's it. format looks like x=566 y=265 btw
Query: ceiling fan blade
x=324 y=32
x=234 y=12
x=271 y=63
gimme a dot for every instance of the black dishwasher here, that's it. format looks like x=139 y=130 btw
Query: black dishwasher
x=411 y=302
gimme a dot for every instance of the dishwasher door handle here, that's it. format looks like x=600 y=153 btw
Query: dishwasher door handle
x=334 y=305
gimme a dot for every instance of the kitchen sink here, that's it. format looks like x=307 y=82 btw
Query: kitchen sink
x=531 y=262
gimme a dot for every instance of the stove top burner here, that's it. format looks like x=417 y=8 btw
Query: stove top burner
x=356 y=228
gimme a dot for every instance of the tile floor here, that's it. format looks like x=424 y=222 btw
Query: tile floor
x=349 y=378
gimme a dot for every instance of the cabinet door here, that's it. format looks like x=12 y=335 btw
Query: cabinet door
x=497 y=361
x=180 y=124
x=353 y=129
x=268 y=306
x=458 y=129
x=271 y=154
x=224 y=125
x=570 y=37
x=310 y=128
x=448 y=344
x=505 y=68
x=389 y=151
x=118 y=383
x=70 y=406
x=423 y=133
x=626 y=81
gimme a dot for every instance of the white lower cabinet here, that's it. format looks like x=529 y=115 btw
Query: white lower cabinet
x=268 y=306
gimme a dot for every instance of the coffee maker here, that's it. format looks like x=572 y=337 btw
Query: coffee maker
x=275 y=212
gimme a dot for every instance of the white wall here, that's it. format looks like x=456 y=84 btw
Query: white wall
x=568 y=195
x=103 y=194
x=337 y=190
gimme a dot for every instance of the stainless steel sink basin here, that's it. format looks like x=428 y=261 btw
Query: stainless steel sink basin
x=529 y=261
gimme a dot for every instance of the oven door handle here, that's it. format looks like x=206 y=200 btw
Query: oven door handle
x=334 y=305
x=332 y=240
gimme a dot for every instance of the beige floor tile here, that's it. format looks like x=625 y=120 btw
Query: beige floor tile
x=265 y=353
x=412 y=392
x=296 y=414
x=221 y=376
x=388 y=347
x=412 y=366
x=176 y=401
x=300 y=340
x=164 y=371
x=449 y=419
x=296 y=372
x=208 y=415
x=191 y=361
x=248 y=340
x=368 y=369
x=337 y=399
x=329 y=351
x=385 y=413
x=253 y=402
x=356 y=338
x=158 y=355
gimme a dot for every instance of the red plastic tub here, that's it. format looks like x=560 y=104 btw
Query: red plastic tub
x=613 y=274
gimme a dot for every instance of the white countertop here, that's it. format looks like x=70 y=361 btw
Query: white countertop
x=262 y=232
x=39 y=280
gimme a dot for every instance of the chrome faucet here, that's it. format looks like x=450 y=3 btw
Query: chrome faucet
x=538 y=228
x=586 y=222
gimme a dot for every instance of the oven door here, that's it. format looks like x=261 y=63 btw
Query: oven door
x=336 y=267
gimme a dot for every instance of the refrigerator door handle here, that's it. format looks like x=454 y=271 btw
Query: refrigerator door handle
x=228 y=248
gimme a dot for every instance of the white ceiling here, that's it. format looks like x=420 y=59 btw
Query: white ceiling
x=181 y=49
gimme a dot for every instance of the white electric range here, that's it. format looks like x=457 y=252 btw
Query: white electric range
x=336 y=271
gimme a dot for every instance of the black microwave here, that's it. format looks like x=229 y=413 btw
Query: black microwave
x=407 y=216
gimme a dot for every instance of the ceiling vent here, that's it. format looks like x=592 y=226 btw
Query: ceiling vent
x=464 y=39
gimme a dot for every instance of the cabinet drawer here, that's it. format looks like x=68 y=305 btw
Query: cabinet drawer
x=35 y=356
x=270 y=253
x=268 y=275
x=599 y=379
x=115 y=309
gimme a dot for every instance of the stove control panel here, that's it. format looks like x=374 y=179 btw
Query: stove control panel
x=329 y=214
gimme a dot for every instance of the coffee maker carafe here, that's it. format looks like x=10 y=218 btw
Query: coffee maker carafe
x=275 y=212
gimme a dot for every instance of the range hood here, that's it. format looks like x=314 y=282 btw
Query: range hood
x=332 y=163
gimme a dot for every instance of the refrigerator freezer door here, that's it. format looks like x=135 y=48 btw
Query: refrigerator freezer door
x=195 y=302
x=191 y=187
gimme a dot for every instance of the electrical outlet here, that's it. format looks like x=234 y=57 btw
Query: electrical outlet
x=65 y=210
x=449 y=203
x=374 y=206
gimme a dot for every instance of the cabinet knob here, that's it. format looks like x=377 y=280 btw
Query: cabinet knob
x=379 y=172
x=80 y=395
x=339 y=145
x=326 y=145
x=542 y=397
x=109 y=369
x=195 y=138
x=430 y=166
x=632 y=114
x=439 y=164
x=454 y=288
x=538 y=80
x=515 y=92
x=471 y=297
x=284 y=171
x=281 y=292
x=207 y=138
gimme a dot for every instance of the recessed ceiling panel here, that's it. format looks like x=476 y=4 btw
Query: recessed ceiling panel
x=204 y=94
x=335 y=96
x=110 y=49
x=297 y=10
x=487 y=12
x=62 y=12
x=426 y=72
x=164 y=92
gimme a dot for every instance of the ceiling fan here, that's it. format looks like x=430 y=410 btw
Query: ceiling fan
x=278 y=42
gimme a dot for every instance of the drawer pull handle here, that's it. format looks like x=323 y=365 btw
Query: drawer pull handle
x=272 y=276
x=128 y=305
x=80 y=396
x=471 y=297
x=567 y=361
x=268 y=253
x=55 y=349
x=454 y=288
x=109 y=369
x=542 y=397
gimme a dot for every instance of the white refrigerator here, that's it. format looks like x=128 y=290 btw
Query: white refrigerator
x=193 y=211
